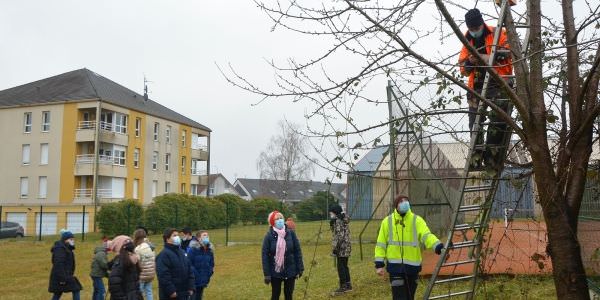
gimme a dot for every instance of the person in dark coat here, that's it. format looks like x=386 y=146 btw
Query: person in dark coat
x=340 y=246
x=175 y=274
x=200 y=255
x=281 y=257
x=62 y=276
x=123 y=281
x=186 y=238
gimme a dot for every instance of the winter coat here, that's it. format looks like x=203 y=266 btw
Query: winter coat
x=175 y=273
x=203 y=261
x=292 y=265
x=147 y=264
x=340 y=241
x=99 y=263
x=62 y=278
x=123 y=284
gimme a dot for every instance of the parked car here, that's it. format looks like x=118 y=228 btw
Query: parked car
x=11 y=230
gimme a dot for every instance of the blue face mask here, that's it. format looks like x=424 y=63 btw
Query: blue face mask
x=177 y=241
x=205 y=240
x=279 y=223
x=476 y=34
x=403 y=207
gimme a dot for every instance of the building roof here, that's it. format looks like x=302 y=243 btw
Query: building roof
x=84 y=84
x=294 y=190
x=370 y=162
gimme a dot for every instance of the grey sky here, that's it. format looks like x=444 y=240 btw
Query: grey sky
x=176 y=44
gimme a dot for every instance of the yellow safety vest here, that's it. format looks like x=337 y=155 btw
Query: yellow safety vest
x=399 y=244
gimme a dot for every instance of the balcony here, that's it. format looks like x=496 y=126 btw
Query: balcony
x=111 y=166
x=86 y=131
x=85 y=195
x=199 y=177
x=200 y=152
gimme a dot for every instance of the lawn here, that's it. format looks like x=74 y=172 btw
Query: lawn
x=25 y=268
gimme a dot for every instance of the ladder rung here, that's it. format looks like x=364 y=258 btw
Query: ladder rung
x=466 y=226
x=457 y=263
x=466 y=208
x=464 y=244
x=492 y=123
x=478 y=188
x=488 y=146
x=454 y=279
x=522 y=25
x=451 y=295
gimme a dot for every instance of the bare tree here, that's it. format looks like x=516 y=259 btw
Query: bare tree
x=556 y=88
x=285 y=157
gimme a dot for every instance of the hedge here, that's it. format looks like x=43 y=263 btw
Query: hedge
x=120 y=217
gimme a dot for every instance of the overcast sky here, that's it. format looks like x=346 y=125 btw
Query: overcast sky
x=177 y=45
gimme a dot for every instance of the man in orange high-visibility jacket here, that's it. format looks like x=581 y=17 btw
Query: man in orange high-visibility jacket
x=399 y=242
x=481 y=36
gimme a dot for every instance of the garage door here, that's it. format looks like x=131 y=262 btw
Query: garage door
x=48 y=223
x=74 y=222
x=20 y=218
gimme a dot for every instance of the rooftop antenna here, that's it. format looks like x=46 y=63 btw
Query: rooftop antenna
x=146 y=88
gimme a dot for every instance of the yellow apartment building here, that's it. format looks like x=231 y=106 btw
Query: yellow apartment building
x=77 y=140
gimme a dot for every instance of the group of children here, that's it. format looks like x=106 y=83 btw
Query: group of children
x=131 y=272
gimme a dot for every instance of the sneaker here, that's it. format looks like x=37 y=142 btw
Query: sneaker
x=339 y=291
x=348 y=287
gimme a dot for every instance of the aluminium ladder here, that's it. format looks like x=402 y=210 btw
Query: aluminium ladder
x=470 y=220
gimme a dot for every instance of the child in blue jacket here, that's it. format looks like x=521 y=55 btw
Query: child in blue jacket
x=200 y=255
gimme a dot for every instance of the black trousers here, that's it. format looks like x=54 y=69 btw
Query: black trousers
x=343 y=271
x=198 y=293
x=404 y=286
x=288 y=288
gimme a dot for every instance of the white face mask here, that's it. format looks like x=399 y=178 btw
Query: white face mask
x=71 y=242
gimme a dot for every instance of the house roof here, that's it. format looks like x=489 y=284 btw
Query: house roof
x=84 y=84
x=370 y=162
x=213 y=177
x=294 y=190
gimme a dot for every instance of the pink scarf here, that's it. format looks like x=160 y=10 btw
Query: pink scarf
x=280 y=250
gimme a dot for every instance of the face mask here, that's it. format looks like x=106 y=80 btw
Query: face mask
x=71 y=242
x=177 y=241
x=332 y=216
x=279 y=223
x=403 y=207
x=476 y=34
x=205 y=240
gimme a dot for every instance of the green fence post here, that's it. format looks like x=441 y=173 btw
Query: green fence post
x=128 y=218
x=226 y=223
x=40 y=229
x=176 y=215
x=83 y=225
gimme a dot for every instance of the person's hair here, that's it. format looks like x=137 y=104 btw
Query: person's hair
x=142 y=228
x=138 y=236
x=398 y=199
x=167 y=233
x=124 y=257
x=200 y=232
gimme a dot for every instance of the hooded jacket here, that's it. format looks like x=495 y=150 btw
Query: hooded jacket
x=62 y=276
x=99 y=263
x=340 y=241
x=203 y=261
x=147 y=264
x=175 y=274
x=124 y=283
x=292 y=265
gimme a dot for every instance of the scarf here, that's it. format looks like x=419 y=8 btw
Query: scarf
x=280 y=249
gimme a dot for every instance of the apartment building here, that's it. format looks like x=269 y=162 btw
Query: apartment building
x=79 y=138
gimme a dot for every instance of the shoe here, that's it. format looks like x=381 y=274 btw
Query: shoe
x=348 y=287
x=339 y=291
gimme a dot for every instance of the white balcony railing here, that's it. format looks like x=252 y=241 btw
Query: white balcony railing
x=198 y=172
x=83 y=125
x=87 y=193
x=102 y=159
x=200 y=147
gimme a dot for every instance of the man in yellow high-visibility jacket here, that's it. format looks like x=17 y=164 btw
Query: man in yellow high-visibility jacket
x=400 y=236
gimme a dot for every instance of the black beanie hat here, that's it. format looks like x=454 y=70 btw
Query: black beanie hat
x=473 y=18
x=336 y=209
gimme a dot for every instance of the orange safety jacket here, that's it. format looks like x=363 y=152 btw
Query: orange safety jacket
x=503 y=67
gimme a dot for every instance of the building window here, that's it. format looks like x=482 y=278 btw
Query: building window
x=136 y=185
x=183 y=188
x=155 y=160
x=26 y=154
x=211 y=190
x=156 y=128
x=45 y=121
x=194 y=190
x=167 y=187
x=121 y=123
x=24 y=187
x=43 y=187
x=43 y=154
x=168 y=134
x=154 y=187
x=183 y=163
x=167 y=161
x=136 y=157
x=119 y=158
x=183 y=134
x=138 y=127
x=27 y=122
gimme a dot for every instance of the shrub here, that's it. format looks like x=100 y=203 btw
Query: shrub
x=314 y=208
x=264 y=206
x=233 y=206
x=119 y=217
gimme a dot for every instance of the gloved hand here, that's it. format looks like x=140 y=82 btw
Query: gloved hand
x=438 y=249
x=267 y=279
x=299 y=275
x=334 y=252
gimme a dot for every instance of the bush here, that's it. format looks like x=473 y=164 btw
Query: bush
x=181 y=210
x=264 y=206
x=247 y=212
x=233 y=207
x=119 y=217
x=315 y=208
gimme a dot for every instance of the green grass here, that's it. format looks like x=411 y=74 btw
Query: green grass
x=25 y=268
